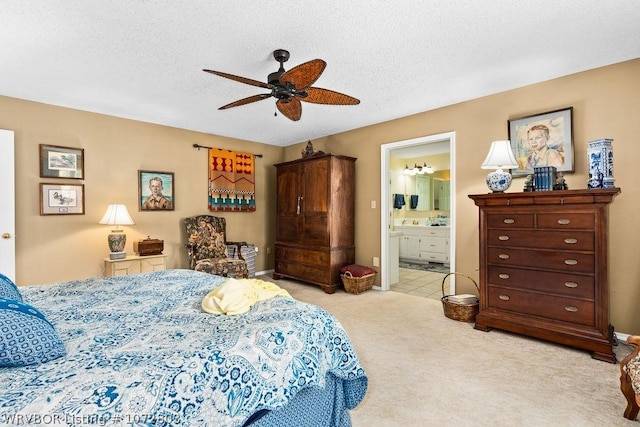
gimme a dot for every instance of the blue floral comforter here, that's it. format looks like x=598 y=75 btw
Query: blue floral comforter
x=140 y=351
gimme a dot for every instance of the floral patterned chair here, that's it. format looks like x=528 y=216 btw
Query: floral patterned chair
x=630 y=379
x=207 y=248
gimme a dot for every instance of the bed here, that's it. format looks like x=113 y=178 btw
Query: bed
x=140 y=351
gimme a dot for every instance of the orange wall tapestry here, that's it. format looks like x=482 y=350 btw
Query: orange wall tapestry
x=231 y=181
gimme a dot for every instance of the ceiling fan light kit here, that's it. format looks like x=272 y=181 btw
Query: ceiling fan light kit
x=290 y=87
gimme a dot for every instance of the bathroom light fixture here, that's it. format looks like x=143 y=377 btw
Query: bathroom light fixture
x=117 y=215
x=417 y=170
x=500 y=156
x=427 y=169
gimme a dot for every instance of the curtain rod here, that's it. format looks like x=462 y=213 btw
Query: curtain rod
x=198 y=146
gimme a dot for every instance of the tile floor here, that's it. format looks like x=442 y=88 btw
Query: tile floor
x=420 y=283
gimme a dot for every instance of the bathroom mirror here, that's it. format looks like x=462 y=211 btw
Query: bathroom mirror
x=441 y=194
x=433 y=193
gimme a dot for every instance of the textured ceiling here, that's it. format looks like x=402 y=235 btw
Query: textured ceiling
x=143 y=59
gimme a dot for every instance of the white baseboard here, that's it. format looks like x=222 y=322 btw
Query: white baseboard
x=621 y=337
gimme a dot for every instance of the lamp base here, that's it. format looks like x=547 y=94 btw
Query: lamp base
x=499 y=181
x=117 y=255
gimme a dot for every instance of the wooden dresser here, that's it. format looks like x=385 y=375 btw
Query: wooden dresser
x=315 y=219
x=543 y=266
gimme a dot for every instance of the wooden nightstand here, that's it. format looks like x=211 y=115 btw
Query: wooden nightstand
x=134 y=264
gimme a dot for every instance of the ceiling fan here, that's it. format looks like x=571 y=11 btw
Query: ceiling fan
x=290 y=87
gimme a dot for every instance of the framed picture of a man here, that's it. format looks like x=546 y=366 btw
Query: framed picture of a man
x=156 y=191
x=542 y=140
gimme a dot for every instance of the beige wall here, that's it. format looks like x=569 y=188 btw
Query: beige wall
x=60 y=248
x=606 y=103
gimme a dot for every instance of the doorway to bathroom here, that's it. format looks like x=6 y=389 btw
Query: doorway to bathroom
x=422 y=171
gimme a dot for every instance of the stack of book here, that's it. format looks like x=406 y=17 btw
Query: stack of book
x=544 y=178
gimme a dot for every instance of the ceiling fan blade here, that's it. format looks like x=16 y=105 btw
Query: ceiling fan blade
x=291 y=110
x=318 y=95
x=245 y=101
x=304 y=75
x=240 y=79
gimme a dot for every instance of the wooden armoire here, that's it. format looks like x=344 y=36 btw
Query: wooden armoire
x=315 y=219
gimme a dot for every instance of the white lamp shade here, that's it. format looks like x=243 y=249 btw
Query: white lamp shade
x=500 y=156
x=117 y=215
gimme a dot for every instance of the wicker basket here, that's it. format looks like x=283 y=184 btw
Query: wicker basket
x=458 y=311
x=357 y=285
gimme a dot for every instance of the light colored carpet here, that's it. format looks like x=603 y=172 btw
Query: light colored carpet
x=425 y=369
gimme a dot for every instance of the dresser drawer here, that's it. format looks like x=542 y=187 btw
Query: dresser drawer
x=505 y=220
x=571 y=262
x=585 y=221
x=311 y=273
x=571 y=285
x=562 y=240
x=307 y=256
x=551 y=307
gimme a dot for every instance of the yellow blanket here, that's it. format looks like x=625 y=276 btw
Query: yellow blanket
x=236 y=296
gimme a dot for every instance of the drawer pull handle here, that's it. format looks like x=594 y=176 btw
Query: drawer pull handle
x=564 y=221
x=503 y=276
x=571 y=284
x=505 y=256
x=570 y=240
x=504 y=297
x=571 y=308
x=570 y=261
x=509 y=220
x=503 y=238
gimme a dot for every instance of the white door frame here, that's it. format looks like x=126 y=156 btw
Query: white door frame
x=386 y=203
x=8 y=208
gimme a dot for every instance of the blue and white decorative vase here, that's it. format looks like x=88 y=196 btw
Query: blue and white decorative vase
x=600 y=159
x=499 y=181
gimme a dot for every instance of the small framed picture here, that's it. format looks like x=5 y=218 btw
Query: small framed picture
x=542 y=140
x=57 y=199
x=61 y=162
x=156 y=191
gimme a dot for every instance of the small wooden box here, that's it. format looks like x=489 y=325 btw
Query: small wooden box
x=148 y=247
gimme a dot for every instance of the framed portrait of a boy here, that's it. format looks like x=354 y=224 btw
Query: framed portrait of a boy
x=156 y=191
x=542 y=140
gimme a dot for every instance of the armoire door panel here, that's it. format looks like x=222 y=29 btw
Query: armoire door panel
x=316 y=187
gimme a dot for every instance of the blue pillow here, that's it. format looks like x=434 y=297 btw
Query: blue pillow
x=8 y=289
x=26 y=336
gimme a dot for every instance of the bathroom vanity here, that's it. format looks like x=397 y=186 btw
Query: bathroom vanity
x=424 y=243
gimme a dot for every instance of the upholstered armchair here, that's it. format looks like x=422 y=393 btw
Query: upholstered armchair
x=207 y=247
x=630 y=379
